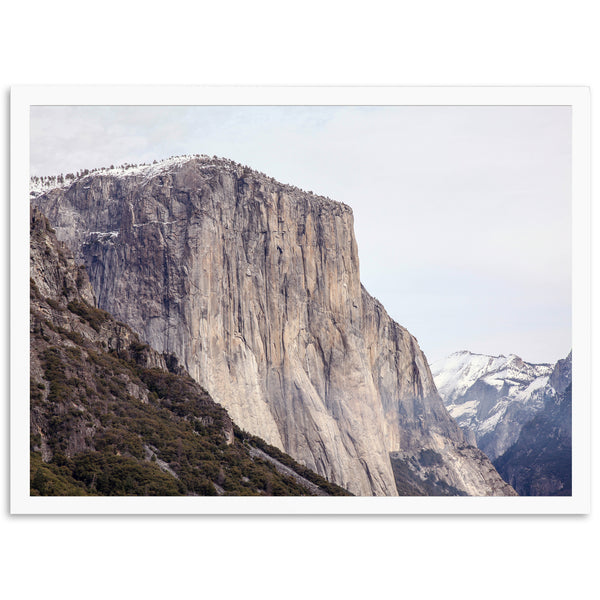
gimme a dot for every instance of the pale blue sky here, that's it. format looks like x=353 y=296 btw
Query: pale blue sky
x=462 y=214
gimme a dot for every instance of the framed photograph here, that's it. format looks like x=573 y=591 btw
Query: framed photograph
x=300 y=300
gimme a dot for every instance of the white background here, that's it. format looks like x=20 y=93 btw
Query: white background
x=426 y=43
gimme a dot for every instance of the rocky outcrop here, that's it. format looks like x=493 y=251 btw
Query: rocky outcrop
x=255 y=287
x=562 y=375
x=429 y=452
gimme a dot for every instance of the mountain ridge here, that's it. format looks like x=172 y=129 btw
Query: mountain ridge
x=491 y=397
x=39 y=185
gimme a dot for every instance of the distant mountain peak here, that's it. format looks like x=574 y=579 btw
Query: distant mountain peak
x=489 y=396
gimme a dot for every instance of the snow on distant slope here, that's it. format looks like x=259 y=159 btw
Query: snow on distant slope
x=491 y=397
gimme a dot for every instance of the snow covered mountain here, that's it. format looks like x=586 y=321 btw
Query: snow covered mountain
x=491 y=397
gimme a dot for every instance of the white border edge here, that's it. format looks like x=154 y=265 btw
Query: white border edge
x=22 y=97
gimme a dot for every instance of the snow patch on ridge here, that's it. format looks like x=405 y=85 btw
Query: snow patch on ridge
x=456 y=374
x=41 y=185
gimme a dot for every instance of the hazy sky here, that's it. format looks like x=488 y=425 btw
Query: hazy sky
x=462 y=214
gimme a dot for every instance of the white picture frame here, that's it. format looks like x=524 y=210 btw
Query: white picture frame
x=23 y=97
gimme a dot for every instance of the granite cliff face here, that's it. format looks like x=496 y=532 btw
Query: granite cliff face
x=255 y=287
x=111 y=416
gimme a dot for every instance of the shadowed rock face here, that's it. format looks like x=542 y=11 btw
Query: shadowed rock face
x=540 y=461
x=255 y=287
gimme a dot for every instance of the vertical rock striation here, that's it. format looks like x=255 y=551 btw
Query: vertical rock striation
x=110 y=416
x=255 y=287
